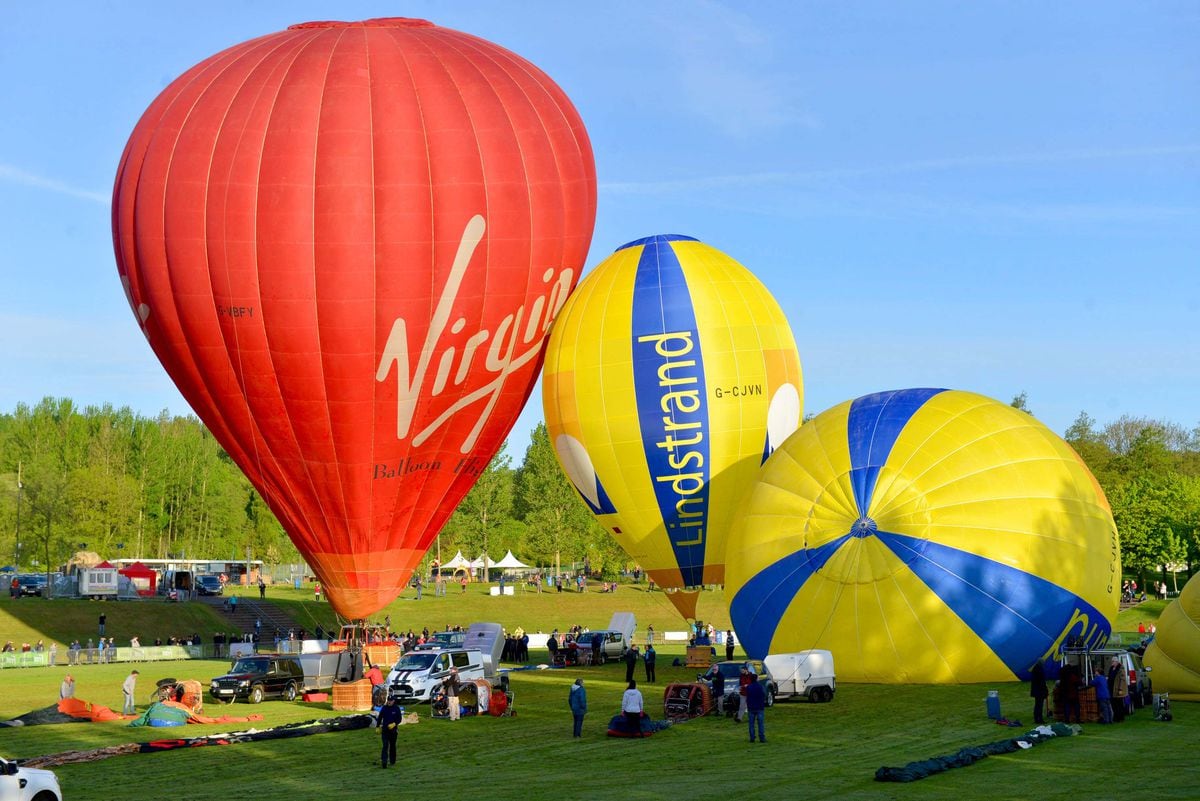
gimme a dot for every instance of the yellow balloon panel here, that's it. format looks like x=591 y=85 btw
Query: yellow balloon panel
x=1174 y=653
x=671 y=374
x=923 y=535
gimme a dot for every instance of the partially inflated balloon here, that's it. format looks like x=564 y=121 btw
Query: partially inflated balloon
x=1174 y=653
x=924 y=535
x=345 y=242
x=670 y=375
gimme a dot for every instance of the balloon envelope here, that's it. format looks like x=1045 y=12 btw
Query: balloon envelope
x=670 y=375
x=345 y=242
x=1174 y=653
x=927 y=536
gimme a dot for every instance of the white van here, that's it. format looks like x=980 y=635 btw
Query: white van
x=418 y=675
x=803 y=674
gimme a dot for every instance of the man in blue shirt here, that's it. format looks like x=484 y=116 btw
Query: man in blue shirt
x=1103 y=699
x=756 y=702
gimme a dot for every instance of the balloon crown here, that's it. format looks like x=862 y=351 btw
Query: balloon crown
x=378 y=22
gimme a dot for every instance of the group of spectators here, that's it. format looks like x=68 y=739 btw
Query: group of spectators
x=1130 y=592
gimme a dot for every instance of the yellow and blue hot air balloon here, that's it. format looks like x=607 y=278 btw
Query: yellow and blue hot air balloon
x=1174 y=653
x=671 y=374
x=924 y=535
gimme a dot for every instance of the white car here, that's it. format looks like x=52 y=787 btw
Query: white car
x=27 y=784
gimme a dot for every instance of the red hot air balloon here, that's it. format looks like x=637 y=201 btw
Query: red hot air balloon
x=346 y=242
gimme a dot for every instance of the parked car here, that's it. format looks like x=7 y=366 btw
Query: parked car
x=615 y=640
x=258 y=677
x=209 y=585
x=443 y=639
x=33 y=584
x=612 y=644
x=27 y=784
x=1141 y=688
x=418 y=675
x=732 y=671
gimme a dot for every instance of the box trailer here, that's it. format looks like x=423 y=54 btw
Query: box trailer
x=803 y=674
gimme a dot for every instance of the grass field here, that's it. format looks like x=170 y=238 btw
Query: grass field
x=815 y=751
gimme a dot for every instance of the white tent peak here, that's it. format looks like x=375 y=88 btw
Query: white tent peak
x=510 y=561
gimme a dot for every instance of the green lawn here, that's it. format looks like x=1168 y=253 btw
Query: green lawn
x=822 y=751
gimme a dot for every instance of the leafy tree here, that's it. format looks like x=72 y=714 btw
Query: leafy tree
x=485 y=507
x=557 y=518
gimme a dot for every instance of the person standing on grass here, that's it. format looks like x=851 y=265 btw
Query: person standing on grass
x=632 y=705
x=631 y=660
x=128 y=688
x=67 y=688
x=649 y=659
x=1118 y=688
x=578 y=703
x=262 y=588
x=103 y=620
x=389 y=722
x=1099 y=683
x=745 y=679
x=756 y=704
x=1038 y=691
x=729 y=645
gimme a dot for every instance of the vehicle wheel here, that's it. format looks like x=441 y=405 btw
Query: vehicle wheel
x=256 y=694
x=824 y=695
x=45 y=795
x=289 y=693
x=770 y=698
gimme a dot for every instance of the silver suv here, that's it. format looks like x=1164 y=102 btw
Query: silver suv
x=1141 y=689
x=732 y=672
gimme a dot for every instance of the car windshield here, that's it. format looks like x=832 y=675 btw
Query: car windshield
x=447 y=637
x=209 y=580
x=416 y=660
x=250 y=666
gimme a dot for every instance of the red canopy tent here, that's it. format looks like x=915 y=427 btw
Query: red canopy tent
x=144 y=580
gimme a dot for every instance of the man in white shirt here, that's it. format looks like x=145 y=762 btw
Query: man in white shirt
x=632 y=705
x=128 y=688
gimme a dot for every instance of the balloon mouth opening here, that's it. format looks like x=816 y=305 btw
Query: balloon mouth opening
x=378 y=22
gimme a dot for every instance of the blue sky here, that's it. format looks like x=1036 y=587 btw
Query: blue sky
x=997 y=197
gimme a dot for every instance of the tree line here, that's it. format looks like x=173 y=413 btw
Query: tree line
x=122 y=484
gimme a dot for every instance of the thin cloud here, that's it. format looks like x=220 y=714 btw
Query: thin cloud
x=766 y=178
x=12 y=175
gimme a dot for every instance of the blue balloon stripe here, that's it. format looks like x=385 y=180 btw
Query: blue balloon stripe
x=760 y=604
x=646 y=240
x=671 y=394
x=605 y=505
x=872 y=428
x=1016 y=614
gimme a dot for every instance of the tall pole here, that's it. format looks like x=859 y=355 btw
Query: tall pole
x=17 y=539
